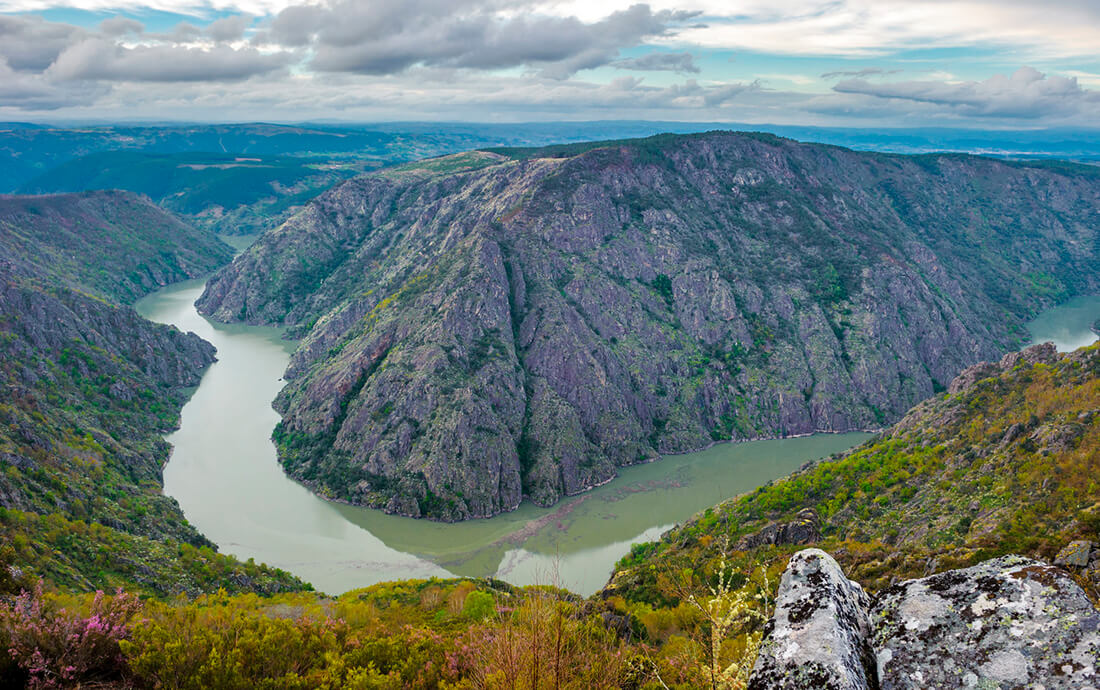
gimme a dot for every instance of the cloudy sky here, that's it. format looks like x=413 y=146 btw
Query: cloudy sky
x=977 y=63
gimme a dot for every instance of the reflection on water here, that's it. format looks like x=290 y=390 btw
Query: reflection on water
x=225 y=475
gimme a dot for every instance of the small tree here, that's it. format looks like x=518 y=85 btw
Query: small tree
x=726 y=610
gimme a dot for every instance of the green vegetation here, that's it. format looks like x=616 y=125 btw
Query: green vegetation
x=443 y=166
x=114 y=245
x=815 y=288
x=80 y=555
x=1008 y=465
x=649 y=148
x=412 y=634
x=226 y=193
x=90 y=388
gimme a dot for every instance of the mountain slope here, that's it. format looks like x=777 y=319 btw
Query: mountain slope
x=114 y=244
x=223 y=193
x=1005 y=463
x=521 y=322
x=88 y=388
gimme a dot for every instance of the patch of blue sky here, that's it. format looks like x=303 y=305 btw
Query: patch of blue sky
x=154 y=20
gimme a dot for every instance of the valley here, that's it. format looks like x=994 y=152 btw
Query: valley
x=226 y=477
x=225 y=474
x=524 y=322
x=539 y=345
x=446 y=285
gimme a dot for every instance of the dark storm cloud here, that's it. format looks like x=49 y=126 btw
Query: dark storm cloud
x=660 y=62
x=1026 y=94
x=99 y=59
x=389 y=37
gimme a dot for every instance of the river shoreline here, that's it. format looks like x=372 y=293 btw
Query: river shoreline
x=225 y=474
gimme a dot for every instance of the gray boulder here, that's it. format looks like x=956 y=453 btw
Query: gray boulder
x=819 y=635
x=1011 y=622
x=1075 y=554
x=804 y=529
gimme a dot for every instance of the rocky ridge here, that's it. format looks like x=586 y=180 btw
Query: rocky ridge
x=481 y=328
x=111 y=244
x=1004 y=466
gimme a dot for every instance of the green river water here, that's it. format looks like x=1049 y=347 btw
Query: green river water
x=225 y=475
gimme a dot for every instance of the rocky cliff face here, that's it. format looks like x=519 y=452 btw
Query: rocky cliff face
x=496 y=325
x=88 y=389
x=1011 y=622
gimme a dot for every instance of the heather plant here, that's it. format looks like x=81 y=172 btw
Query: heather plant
x=56 y=647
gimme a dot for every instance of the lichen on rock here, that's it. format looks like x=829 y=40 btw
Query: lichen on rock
x=819 y=635
x=1010 y=622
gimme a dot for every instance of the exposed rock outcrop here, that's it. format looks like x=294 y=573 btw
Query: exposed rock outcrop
x=804 y=529
x=1075 y=554
x=530 y=323
x=1011 y=622
x=819 y=636
x=88 y=388
x=1044 y=353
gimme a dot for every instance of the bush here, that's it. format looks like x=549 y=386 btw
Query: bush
x=479 y=606
x=223 y=642
x=57 y=648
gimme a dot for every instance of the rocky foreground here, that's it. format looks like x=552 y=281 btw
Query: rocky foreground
x=1011 y=622
x=501 y=324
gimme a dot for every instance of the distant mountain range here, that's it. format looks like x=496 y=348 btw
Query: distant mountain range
x=244 y=178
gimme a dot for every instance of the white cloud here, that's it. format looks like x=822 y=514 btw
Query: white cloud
x=478 y=59
x=1026 y=94
x=99 y=59
x=390 y=36
x=859 y=28
x=660 y=62
x=791 y=27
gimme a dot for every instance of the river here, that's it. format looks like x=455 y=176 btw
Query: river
x=224 y=473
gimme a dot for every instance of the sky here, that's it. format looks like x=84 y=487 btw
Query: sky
x=994 y=64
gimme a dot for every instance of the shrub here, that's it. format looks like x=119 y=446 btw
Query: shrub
x=57 y=648
x=225 y=642
x=479 y=606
